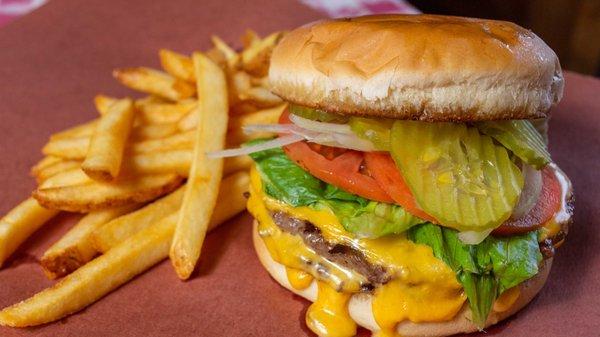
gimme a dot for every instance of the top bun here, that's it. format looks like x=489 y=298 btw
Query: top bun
x=422 y=67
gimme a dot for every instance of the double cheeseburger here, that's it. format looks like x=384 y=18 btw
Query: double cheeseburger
x=410 y=190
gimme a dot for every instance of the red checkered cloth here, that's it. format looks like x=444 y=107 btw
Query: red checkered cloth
x=11 y=9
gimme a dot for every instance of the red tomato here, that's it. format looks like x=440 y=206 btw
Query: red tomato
x=545 y=208
x=339 y=168
x=383 y=168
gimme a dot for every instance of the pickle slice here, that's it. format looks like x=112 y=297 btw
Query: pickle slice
x=377 y=131
x=317 y=115
x=456 y=174
x=520 y=137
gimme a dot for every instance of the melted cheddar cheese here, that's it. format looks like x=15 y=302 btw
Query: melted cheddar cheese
x=423 y=288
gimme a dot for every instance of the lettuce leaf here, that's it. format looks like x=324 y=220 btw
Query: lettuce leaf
x=485 y=270
x=284 y=180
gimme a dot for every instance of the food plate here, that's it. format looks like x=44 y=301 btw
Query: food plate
x=58 y=58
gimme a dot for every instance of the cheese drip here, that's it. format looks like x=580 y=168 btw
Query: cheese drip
x=328 y=316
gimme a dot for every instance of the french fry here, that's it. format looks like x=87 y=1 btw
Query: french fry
x=107 y=145
x=262 y=97
x=178 y=65
x=103 y=103
x=177 y=161
x=189 y=121
x=154 y=131
x=231 y=57
x=205 y=175
x=177 y=141
x=240 y=82
x=19 y=224
x=67 y=148
x=44 y=163
x=249 y=38
x=75 y=248
x=230 y=202
x=70 y=177
x=234 y=164
x=162 y=113
x=237 y=135
x=96 y=195
x=81 y=130
x=121 y=228
x=256 y=57
x=57 y=168
x=154 y=82
x=94 y=279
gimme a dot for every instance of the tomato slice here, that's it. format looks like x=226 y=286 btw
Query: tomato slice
x=547 y=205
x=383 y=168
x=339 y=168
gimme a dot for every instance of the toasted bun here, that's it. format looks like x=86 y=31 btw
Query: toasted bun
x=422 y=67
x=359 y=306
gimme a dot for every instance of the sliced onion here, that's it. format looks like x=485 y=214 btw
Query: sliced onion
x=473 y=237
x=277 y=142
x=532 y=188
x=320 y=126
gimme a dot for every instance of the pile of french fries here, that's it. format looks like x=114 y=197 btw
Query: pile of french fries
x=140 y=174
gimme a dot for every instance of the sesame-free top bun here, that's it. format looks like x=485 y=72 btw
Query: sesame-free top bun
x=422 y=67
x=359 y=306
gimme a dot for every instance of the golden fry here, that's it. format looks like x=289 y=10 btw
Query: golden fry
x=231 y=57
x=154 y=82
x=120 y=229
x=153 y=131
x=237 y=135
x=94 y=279
x=256 y=57
x=163 y=113
x=70 y=177
x=67 y=148
x=178 y=141
x=234 y=164
x=189 y=121
x=107 y=145
x=205 y=175
x=97 y=195
x=103 y=103
x=177 y=65
x=262 y=97
x=249 y=38
x=57 y=168
x=44 y=163
x=177 y=161
x=20 y=223
x=81 y=130
x=75 y=248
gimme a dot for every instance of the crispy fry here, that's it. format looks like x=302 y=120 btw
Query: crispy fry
x=154 y=131
x=20 y=223
x=81 y=130
x=232 y=58
x=240 y=82
x=57 y=168
x=95 y=279
x=177 y=161
x=205 y=175
x=230 y=202
x=256 y=57
x=261 y=97
x=103 y=103
x=120 y=229
x=178 y=141
x=189 y=121
x=154 y=82
x=70 y=177
x=177 y=65
x=249 y=38
x=234 y=164
x=161 y=113
x=75 y=248
x=107 y=145
x=67 y=148
x=236 y=134
x=44 y=163
x=97 y=195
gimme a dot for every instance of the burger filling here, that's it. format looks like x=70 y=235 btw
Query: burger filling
x=425 y=217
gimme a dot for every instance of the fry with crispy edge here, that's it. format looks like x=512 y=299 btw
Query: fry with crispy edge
x=20 y=223
x=163 y=112
x=121 y=228
x=81 y=130
x=205 y=175
x=55 y=169
x=75 y=248
x=95 y=279
x=177 y=65
x=230 y=202
x=154 y=82
x=107 y=145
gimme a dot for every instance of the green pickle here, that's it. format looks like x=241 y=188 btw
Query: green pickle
x=456 y=174
x=317 y=115
x=375 y=130
x=520 y=137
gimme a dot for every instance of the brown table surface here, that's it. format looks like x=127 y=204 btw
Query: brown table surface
x=54 y=61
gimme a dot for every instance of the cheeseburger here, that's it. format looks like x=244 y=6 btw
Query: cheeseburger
x=410 y=190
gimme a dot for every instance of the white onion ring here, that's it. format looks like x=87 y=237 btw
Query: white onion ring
x=532 y=188
x=473 y=237
x=320 y=126
x=277 y=142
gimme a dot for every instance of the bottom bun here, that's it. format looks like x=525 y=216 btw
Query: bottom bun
x=359 y=306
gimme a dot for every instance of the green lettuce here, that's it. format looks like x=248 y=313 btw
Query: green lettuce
x=284 y=180
x=485 y=270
